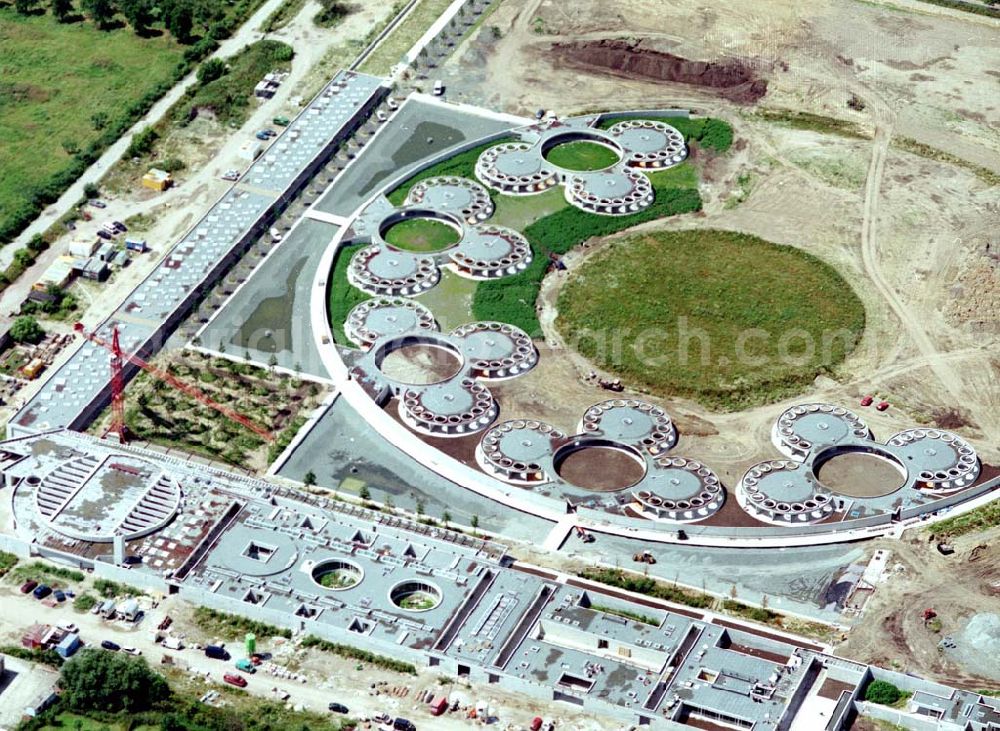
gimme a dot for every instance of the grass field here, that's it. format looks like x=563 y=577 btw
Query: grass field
x=59 y=82
x=341 y=296
x=422 y=234
x=390 y=51
x=582 y=155
x=726 y=319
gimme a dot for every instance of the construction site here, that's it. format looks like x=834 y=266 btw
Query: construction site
x=394 y=390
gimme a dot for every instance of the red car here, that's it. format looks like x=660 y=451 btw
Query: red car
x=536 y=723
x=28 y=586
x=882 y=405
x=238 y=680
x=867 y=401
x=167 y=621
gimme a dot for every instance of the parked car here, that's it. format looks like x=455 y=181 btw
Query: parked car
x=238 y=680
x=121 y=227
x=538 y=115
x=281 y=121
x=867 y=401
x=41 y=591
x=381 y=116
x=68 y=627
x=438 y=87
x=109 y=645
x=392 y=104
x=882 y=406
x=231 y=175
x=167 y=621
x=216 y=652
x=402 y=724
x=262 y=135
x=98 y=204
x=59 y=595
x=28 y=586
x=104 y=234
x=338 y=708
x=132 y=651
x=245 y=665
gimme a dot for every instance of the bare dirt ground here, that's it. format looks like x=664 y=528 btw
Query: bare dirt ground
x=893 y=633
x=914 y=237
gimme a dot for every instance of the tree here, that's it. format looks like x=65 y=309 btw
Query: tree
x=62 y=9
x=179 y=18
x=420 y=507
x=100 y=11
x=138 y=13
x=109 y=681
x=446 y=517
x=310 y=479
x=364 y=493
x=90 y=190
x=211 y=70
x=474 y=522
x=26 y=330
x=881 y=691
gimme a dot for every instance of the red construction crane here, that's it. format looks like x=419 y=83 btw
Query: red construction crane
x=118 y=387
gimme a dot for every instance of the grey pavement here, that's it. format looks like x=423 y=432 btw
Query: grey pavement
x=269 y=315
x=418 y=130
x=342 y=445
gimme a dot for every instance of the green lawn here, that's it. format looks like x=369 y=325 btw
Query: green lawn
x=422 y=234
x=724 y=318
x=709 y=132
x=57 y=79
x=582 y=155
x=342 y=297
x=517 y=211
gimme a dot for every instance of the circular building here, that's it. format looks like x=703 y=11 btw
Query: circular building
x=488 y=252
x=495 y=350
x=454 y=408
x=97 y=500
x=650 y=144
x=784 y=492
x=518 y=451
x=610 y=192
x=803 y=428
x=382 y=317
x=938 y=461
x=381 y=271
x=515 y=168
x=679 y=490
x=633 y=422
x=459 y=196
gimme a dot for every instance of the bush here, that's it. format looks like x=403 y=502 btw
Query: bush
x=90 y=190
x=85 y=602
x=882 y=692
x=7 y=562
x=111 y=589
x=647 y=586
x=211 y=70
x=45 y=657
x=142 y=142
x=232 y=626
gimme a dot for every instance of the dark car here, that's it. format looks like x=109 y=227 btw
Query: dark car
x=28 y=586
x=109 y=645
x=338 y=707
x=401 y=724
x=59 y=596
x=104 y=234
x=41 y=591
x=216 y=652
x=121 y=227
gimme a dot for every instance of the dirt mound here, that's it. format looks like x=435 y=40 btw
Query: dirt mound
x=732 y=78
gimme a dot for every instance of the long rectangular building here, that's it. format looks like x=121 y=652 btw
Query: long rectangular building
x=78 y=390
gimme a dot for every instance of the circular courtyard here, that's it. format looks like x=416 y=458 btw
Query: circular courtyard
x=420 y=234
x=727 y=319
x=582 y=155
x=860 y=473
